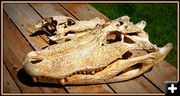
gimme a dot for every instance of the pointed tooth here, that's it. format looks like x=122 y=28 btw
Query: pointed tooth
x=34 y=79
x=49 y=27
x=97 y=70
x=84 y=72
x=75 y=73
x=88 y=72
x=92 y=72
x=62 y=81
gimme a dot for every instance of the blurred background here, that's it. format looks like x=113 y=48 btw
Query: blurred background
x=161 y=21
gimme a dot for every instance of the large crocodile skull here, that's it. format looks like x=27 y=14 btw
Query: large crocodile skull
x=96 y=52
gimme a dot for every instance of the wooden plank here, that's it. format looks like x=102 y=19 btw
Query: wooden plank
x=100 y=88
x=162 y=72
x=9 y=86
x=81 y=11
x=48 y=10
x=137 y=85
x=15 y=48
x=23 y=15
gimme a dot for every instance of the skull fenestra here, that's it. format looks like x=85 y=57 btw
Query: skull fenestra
x=91 y=52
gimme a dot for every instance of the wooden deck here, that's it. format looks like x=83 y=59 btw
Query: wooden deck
x=17 y=43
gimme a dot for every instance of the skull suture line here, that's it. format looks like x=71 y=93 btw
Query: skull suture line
x=91 y=52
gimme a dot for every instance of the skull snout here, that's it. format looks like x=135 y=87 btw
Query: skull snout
x=34 y=57
x=165 y=50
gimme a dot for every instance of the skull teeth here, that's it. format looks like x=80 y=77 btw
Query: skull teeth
x=88 y=72
x=92 y=72
x=34 y=79
x=62 y=81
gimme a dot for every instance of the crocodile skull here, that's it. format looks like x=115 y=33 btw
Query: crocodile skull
x=96 y=52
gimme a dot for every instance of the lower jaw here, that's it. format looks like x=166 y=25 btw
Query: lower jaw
x=83 y=79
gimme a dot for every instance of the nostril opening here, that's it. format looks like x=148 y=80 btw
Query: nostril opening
x=34 y=57
x=35 y=61
x=128 y=40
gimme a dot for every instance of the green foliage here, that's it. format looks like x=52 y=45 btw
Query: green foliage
x=161 y=21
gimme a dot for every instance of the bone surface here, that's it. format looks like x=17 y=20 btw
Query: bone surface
x=91 y=52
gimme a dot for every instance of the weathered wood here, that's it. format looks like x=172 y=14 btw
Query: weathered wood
x=83 y=11
x=79 y=10
x=47 y=10
x=162 y=72
x=15 y=48
x=100 y=88
x=9 y=86
x=56 y=9
x=137 y=85
x=23 y=15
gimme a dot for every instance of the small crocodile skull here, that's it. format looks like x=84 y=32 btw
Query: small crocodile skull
x=96 y=52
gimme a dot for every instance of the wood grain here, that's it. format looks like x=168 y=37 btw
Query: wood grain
x=100 y=88
x=23 y=15
x=48 y=10
x=15 y=48
x=83 y=11
x=162 y=72
x=137 y=85
x=9 y=86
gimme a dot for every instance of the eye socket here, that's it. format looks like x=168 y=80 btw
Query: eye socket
x=128 y=40
x=113 y=37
